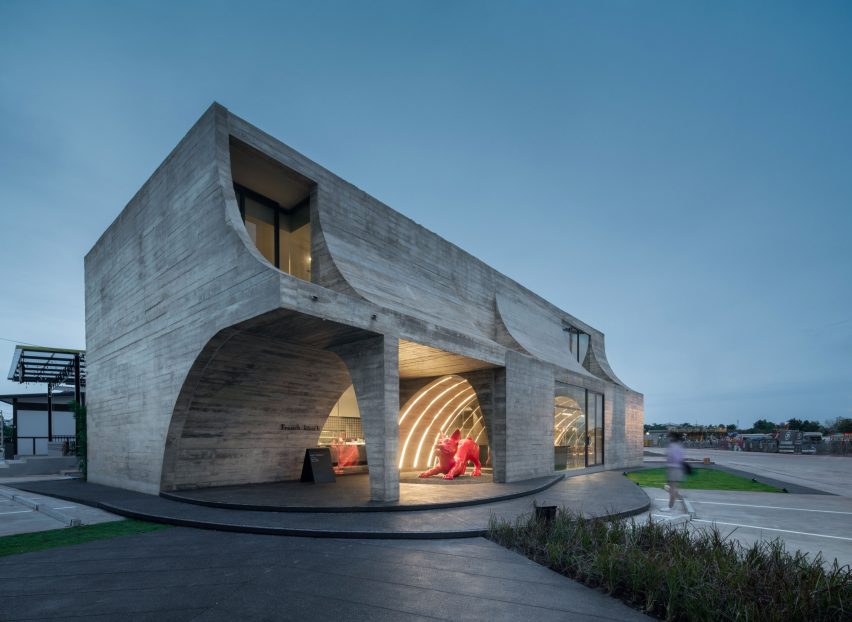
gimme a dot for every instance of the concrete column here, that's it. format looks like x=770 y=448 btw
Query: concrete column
x=373 y=364
x=528 y=419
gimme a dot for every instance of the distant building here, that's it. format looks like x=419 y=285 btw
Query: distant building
x=37 y=431
x=43 y=423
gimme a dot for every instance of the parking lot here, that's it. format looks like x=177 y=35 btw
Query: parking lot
x=819 y=522
x=27 y=512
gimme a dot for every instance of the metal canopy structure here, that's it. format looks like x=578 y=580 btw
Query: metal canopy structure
x=53 y=366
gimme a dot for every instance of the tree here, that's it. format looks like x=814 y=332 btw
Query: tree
x=794 y=424
x=764 y=426
x=731 y=427
x=844 y=425
x=810 y=426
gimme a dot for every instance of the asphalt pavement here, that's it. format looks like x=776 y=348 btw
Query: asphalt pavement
x=182 y=574
x=811 y=523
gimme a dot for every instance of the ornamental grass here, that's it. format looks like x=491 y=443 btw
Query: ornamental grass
x=673 y=573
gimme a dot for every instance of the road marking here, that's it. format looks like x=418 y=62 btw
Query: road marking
x=17 y=512
x=768 y=507
x=65 y=507
x=801 y=533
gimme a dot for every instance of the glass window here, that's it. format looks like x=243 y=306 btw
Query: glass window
x=282 y=236
x=295 y=246
x=578 y=428
x=569 y=428
x=583 y=347
x=596 y=425
x=578 y=343
x=260 y=224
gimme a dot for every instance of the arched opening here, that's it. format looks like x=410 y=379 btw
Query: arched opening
x=441 y=406
x=258 y=395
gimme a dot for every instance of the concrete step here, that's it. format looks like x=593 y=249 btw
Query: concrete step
x=673 y=518
x=39 y=465
x=39 y=504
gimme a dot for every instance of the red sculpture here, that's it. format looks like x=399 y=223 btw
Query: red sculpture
x=453 y=456
x=344 y=454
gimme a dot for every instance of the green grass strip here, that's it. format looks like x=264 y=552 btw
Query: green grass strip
x=40 y=540
x=702 y=479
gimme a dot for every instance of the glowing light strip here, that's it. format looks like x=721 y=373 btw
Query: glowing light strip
x=455 y=414
x=425 y=391
x=471 y=415
x=574 y=431
x=438 y=414
x=425 y=410
x=480 y=420
x=476 y=440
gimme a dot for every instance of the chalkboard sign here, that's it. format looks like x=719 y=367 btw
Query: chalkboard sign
x=317 y=466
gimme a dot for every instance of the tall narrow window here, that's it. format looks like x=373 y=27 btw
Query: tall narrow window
x=260 y=224
x=295 y=248
x=578 y=343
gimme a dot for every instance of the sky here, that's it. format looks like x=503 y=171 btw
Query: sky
x=676 y=174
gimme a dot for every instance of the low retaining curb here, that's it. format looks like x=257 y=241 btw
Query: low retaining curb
x=40 y=507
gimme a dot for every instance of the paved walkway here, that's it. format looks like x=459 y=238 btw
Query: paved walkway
x=808 y=523
x=204 y=576
x=810 y=518
x=23 y=512
x=597 y=494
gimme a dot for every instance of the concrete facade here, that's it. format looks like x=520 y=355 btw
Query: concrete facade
x=209 y=366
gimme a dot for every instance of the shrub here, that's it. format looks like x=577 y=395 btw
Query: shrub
x=79 y=411
x=670 y=572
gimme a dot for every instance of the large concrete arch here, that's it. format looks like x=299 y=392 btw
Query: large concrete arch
x=250 y=411
x=260 y=392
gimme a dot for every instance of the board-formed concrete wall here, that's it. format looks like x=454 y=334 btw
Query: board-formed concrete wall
x=180 y=305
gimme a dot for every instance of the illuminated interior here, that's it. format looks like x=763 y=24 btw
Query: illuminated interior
x=275 y=205
x=343 y=434
x=569 y=432
x=444 y=405
x=578 y=428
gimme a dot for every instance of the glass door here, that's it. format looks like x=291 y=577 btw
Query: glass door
x=595 y=434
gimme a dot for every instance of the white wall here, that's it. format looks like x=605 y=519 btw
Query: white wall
x=34 y=423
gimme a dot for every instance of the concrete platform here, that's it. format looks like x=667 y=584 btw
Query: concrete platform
x=598 y=494
x=351 y=493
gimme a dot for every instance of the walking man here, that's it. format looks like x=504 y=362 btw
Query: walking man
x=674 y=467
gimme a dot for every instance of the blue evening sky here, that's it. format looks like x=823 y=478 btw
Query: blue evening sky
x=677 y=174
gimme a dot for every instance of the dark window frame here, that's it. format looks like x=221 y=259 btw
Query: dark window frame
x=242 y=193
x=574 y=340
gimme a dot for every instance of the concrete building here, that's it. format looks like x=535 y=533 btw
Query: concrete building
x=248 y=304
